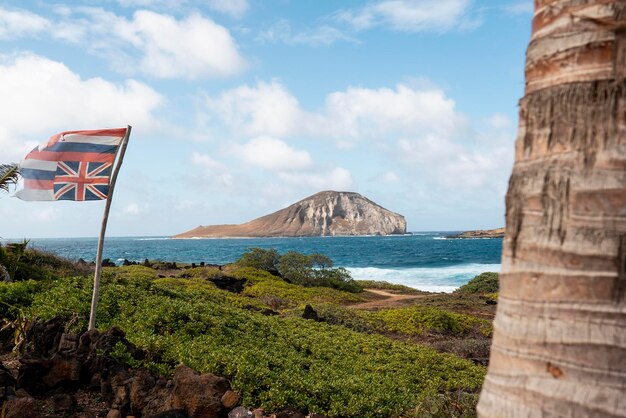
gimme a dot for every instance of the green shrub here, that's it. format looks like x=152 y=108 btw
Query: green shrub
x=314 y=270
x=375 y=284
x=296 y=295
x=415 y=320
x=17 y=295
x=24 y=263
x=261 y=259
x=201 y=273
x=483 y=283
x=273 y=362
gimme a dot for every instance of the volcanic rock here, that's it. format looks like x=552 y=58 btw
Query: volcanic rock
x=310 y=313
x=327 y=213
x=480 y=233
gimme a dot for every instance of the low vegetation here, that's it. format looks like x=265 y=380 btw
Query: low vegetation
x=382 y=285
x=484 y=283
x=349 y=363
x=410 y=321
x=19 y=262
x=313 y=270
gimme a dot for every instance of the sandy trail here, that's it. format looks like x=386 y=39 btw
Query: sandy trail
x=390 y=299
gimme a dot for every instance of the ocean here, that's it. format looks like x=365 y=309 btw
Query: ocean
x=422 y=260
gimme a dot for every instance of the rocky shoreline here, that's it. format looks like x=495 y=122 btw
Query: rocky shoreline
x=479 y=233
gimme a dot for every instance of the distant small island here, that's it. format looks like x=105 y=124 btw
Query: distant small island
x=327 y=213
x=480 y=233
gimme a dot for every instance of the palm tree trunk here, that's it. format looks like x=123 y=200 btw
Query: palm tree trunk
x=559 y=346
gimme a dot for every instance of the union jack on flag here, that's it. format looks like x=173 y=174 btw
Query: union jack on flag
x=72 y=165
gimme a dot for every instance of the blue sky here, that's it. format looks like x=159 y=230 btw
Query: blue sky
x=241 y=107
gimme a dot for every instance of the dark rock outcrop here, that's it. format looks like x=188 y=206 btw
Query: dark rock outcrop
x=480 y=233
x=59 y=364
x=323 y=214
x=310 y=313
x=231 y=284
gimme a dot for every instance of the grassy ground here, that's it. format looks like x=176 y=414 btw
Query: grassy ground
x=420 y=357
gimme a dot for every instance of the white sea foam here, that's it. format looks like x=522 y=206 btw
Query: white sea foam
x=430 y=279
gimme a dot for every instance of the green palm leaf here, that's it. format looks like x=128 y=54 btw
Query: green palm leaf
x=9 y=174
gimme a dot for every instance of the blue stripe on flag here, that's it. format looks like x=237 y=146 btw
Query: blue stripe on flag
x=81 y=147
x=32 y=173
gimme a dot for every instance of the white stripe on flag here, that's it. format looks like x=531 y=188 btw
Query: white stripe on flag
x=39 y=165
x=92 y=139
x=32 y=194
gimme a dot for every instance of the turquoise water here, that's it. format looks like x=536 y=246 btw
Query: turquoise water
x=422 y=260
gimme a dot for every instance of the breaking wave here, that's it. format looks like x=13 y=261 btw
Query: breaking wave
x=430 y=279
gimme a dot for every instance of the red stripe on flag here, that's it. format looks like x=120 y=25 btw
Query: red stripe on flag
x=93 y=157
x=120 y=132
x=38 y=184
x=98 y=132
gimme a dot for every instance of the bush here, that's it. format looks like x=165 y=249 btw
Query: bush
x=261 y=259
x=274 y=362
x=17 y=295
x=483 y=283
x=292 y=295
x=411 y=321
x=376 y=284
x=23 y=263
x=296 y=268
x=301 y=269
x=315 y=270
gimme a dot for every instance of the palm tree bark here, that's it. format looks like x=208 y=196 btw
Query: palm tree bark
x=559 y=346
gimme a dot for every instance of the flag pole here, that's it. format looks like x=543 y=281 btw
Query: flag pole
x=98 y=273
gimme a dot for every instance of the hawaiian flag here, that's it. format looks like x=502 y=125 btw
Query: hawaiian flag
x=72 y=165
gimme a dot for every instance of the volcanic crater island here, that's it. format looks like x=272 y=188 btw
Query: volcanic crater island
x=327 y=213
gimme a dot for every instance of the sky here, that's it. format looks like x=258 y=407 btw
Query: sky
x=242 y=107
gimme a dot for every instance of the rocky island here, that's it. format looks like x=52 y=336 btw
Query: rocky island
x=480 y=233
x=328 y=213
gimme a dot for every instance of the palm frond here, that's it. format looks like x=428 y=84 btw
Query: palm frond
x=9 y=175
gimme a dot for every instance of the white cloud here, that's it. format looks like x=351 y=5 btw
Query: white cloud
x=191 y=48
x=411 y=15
x=272 y=154
x=169 y=4
x=479 y=162
x=348 y=116
x=520 y=8
x=359 y=112
x=206 y=162
x=155 y=44
x=215 y=173
x=18 y=23
x=499 y=121
x=46 y=214
x=45 y=97
x=418 y=128
x=339 y=179
x=233 y=8
x=390 y=177
x=266 y=109
x=131 y=209
x=282 y=32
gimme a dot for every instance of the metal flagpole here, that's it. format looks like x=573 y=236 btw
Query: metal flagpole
x=98 y=273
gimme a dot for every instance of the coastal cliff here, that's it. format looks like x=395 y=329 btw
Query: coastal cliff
x=326 y=213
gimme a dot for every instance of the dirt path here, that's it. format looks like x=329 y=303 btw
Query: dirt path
x=391 y=299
